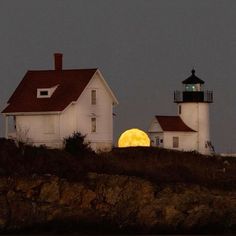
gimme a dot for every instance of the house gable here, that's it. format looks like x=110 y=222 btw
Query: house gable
x=115 y=101
x=155 y=126
x=95 y=84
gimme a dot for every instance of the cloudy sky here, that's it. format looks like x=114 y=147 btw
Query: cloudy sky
x=144 y=48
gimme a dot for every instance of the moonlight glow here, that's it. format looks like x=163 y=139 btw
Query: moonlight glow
x=134 y=138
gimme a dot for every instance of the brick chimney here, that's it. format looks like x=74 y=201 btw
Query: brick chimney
x=58 y=61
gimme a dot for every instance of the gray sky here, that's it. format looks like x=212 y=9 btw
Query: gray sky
x=144 y=48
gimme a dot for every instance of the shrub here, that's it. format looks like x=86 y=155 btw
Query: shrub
x=76 y=144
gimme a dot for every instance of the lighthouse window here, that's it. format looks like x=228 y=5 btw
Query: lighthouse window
x=193 y=87
x=175 y=142
x=179 y=109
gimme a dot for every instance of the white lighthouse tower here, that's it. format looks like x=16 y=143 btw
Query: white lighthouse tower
x=193 y=108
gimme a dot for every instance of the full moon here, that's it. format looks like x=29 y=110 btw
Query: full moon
x=134 y=138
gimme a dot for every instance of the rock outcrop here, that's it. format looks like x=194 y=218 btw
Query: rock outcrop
x=125 y=203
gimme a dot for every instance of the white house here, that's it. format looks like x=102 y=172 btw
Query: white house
x=49 y=105
x=189 y=131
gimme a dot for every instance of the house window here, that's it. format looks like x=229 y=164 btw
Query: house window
x=93 y=97
x=14 y=122
x=179 y=109
x=43 y=93
x=157 y=141
x=93 y=125
x=175 y=142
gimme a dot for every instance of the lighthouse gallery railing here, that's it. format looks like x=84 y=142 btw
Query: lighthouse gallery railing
x=197 y=96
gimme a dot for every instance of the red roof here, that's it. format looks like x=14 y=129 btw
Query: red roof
x=71 y=84
x=173 y=123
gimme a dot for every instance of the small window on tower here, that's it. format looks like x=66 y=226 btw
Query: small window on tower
x=179 y=109
x=93 y=97
x=93 y=125
x=175 y=142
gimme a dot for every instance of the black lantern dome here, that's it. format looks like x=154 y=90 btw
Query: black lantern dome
x=193 y=79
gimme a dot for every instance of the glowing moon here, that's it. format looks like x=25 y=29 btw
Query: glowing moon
x=133 y=138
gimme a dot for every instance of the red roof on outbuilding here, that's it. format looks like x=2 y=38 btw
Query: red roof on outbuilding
x=71 y=84
x=173 y=123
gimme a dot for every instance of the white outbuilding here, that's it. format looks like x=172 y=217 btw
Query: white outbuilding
x=50 y=105
x=190 y=130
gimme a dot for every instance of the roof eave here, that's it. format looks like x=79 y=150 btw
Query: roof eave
x=32 y=113
x=182 y=131
x=198 y=81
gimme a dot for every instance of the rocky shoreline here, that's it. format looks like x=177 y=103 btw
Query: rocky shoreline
x=113 y=203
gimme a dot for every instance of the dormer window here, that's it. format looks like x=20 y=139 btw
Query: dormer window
x=45 y=92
